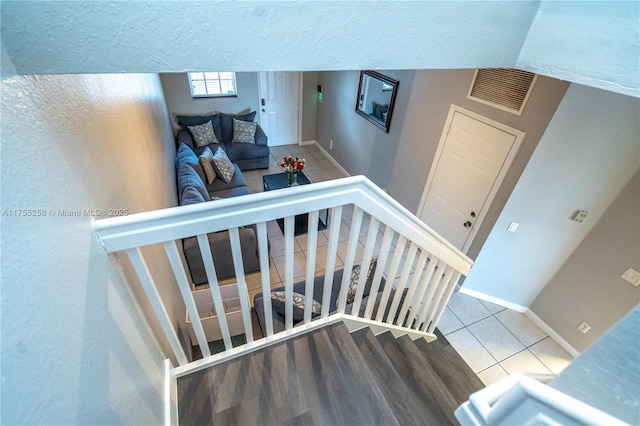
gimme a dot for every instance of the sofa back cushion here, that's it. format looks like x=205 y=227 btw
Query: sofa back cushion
x=226 y=124
x=185 y=155
x=187 y=176
x=191 y=195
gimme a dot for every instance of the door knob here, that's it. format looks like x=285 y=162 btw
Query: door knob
x=467 y=224
x=262 y=109
x=473 y=214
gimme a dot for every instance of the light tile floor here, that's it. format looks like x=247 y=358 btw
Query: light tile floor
x=493 y=340
x=496 y=341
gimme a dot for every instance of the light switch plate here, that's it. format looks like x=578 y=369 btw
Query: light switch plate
x=579 y=216
x=632 y=276
x=584 y=327
x=512 y=227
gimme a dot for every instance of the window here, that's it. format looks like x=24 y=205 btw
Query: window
x=212 y=84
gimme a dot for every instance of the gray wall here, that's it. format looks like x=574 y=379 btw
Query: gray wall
x=588 y=287
x=607 y=375
x=587 y=155
x=309 y=105
x=75 y=347
x=180 y=102
x=400 y=161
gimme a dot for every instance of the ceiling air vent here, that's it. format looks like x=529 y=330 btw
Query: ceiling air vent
x=503 y=88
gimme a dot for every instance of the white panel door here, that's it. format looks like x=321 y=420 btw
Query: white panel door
x=466 y=170
x=279 y=100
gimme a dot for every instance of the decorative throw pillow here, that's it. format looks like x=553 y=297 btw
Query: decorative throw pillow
x=191 y=195
x=244 y=131
x=355 y=276
x=206 y=160
x=226 y=124
x=203 y=134
x=222 y=165
x=187 y=176
x=299 y=305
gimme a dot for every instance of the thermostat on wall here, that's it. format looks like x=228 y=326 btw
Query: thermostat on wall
x=579 y=216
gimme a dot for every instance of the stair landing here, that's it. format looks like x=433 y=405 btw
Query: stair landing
x=331 y=377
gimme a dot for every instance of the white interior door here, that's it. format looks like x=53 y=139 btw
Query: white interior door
x=472 y=158
x=279 y=106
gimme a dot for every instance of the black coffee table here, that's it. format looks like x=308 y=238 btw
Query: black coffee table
x=280 y=181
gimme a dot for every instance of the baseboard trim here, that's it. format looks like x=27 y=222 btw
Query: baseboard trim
x=333 y=160
x=311 y=142
x=492 y=299
x=551 y=332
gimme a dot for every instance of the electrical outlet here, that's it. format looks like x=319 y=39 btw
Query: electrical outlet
x=584 y=327
x=632 y=276
x=330 y=143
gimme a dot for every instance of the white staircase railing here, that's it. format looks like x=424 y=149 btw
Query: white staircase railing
x=436 y=264
x=522 y=400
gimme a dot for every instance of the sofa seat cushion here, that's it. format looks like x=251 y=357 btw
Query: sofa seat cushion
x=231 y=192
x=246 y=151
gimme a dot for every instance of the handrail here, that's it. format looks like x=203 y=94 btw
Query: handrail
x=518 y=399
x=426 y=294
x=141 y=229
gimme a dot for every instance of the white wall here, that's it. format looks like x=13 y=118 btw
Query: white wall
x=74 y=347
x=141 y=36
x=600 y=49
x=589 y=152
x=179 y=100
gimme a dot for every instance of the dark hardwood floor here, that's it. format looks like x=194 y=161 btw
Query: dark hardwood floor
x=331 y=377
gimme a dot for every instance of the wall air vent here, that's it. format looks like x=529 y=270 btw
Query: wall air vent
x=503 y=88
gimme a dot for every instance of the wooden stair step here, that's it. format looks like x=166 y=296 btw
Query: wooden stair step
x=410 y=363
x=450 y=367
x=409 y=409
x=339 y=388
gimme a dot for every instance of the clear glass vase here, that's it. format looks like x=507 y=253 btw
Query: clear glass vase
x=292 y=179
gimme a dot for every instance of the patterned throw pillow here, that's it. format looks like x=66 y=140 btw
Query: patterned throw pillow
x=203 y=134
x=244 y=131
x=206 y=161
x=222 y=165
x=299 y=305
x=355 y=276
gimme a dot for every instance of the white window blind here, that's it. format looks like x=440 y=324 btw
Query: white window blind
x=503 y=88
x=212 y=84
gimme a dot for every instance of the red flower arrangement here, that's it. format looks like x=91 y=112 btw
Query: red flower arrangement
x=292 y=164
